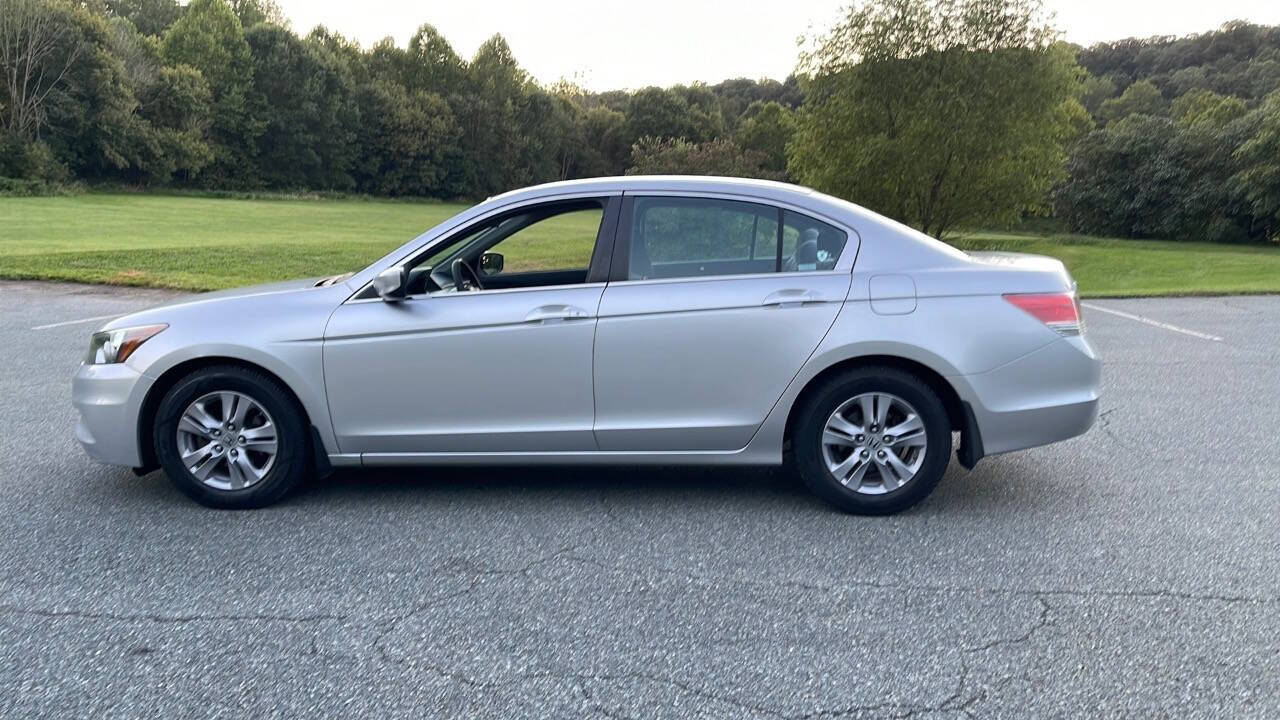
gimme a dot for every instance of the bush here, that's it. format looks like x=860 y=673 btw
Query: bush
x=31 y=161
x=651 y=156
x=18 y=187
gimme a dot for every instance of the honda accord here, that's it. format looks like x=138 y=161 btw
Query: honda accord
x=636 y=320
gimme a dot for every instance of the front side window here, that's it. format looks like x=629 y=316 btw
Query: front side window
x=541 y=246
x=692 y=237
x=560 y=242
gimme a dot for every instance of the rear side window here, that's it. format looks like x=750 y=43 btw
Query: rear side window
x=692 y=237
x=809 y=244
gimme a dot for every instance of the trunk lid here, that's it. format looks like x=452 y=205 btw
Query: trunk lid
x=1022 y=272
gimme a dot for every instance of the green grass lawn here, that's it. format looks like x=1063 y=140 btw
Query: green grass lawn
x=199 y=243
x=1110 y=267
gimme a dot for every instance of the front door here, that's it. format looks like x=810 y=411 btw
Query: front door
x=498 y=362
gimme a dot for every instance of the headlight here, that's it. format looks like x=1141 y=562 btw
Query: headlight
x=115 y=346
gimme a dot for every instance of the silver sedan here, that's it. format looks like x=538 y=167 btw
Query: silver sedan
x=637 y=320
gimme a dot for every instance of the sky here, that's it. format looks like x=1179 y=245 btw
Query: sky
x=604 y=45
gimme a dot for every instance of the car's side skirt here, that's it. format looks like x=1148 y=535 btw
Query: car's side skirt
x=745 y=456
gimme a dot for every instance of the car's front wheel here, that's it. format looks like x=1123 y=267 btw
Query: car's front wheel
x=231 y=437
x=873 y=441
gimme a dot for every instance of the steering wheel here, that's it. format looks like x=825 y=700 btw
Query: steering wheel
x=464 y=277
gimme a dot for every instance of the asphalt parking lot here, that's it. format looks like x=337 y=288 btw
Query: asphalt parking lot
x=1134 y=571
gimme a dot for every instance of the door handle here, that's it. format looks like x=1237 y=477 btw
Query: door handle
x=550 y=313
x=791 y=296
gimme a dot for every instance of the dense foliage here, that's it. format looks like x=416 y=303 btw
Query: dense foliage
x=222 y=94
x=1185 y=138
x=943 y=119
x=947 y=114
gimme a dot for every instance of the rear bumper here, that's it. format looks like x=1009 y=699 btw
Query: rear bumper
x=1043 y=397
x=108 y=397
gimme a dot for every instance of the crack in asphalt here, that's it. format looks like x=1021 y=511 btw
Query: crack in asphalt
x=478 y=575
x=1104 y=423
x=1041 y=623
x=1241 y=308
x=958 y=701
x=680 y=685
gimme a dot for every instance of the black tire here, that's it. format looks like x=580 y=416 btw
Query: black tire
x=292 y=460
x=806 y=440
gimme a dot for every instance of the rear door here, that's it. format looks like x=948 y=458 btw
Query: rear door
x=713 y=306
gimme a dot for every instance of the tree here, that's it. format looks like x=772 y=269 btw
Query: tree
x=1144 y=176
x=302 y=97
x=406 y=141
x=252 y=12
x=1258 y=179
x=767 y=129
x=172 y=112
x=342 y=50
x=1140 y=98
x=676 y=156
x=1206 y=108
x=40 y=45
x=605 y=144
x=63 y=92
x=167 y=107
x=150 y=17
x=655 y=112
x=385 y=60
x=1230 y=61
x=942 y=115
x=1262 y=74
x=1189 y=79
x=431 y=65
x=504 y=119
x=210 y=39
x=738 y=95
x=704 y=111
x=1094 y=91
x=565 y=128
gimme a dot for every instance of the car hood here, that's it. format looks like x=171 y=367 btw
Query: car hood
x=158 y=312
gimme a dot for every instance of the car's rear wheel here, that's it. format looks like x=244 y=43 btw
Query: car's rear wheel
x=873 y=441
x=230 y=437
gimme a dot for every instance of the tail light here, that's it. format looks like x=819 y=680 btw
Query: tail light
x=1060 y=311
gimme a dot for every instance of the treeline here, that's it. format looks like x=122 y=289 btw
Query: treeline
x=1184 y=141
x=943 y=115
x=221 y=94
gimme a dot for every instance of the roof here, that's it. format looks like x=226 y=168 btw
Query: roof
x=629 y=183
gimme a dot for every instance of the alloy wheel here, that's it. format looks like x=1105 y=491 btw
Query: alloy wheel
x=227 y=440
x=874 y=443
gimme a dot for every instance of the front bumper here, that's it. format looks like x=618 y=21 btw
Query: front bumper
x=1046 y=396
x=109 y=398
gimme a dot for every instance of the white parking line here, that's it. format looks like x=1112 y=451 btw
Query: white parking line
x=76 y=322
x=1154 y=323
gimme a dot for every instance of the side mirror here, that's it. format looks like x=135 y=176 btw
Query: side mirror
x=491 y=263
x=390 y=284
